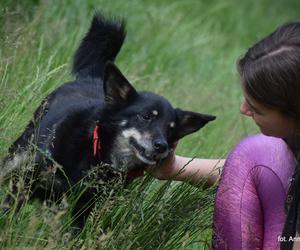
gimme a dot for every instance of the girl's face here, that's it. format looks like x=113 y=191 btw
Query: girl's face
x=270 y=122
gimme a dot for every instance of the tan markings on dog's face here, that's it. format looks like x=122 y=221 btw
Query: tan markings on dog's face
x=124 y=157
x=147 y=135
x=155 y=112
x=132 y=132
x=123 y=123
x=144 y=139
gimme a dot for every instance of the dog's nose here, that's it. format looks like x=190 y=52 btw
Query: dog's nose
x=160 y=146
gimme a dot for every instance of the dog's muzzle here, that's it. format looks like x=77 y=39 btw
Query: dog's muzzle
x=150 y=155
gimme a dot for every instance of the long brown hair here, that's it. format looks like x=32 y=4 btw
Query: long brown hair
x=270 y=70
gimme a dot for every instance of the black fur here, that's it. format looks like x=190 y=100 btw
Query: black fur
x=101 y=44
x=136 y=128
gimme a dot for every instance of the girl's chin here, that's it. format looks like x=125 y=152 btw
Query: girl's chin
x=278 y=135
x=267 y=133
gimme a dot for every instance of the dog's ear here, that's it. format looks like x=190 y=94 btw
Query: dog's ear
x=117 y=90
x=188 y=122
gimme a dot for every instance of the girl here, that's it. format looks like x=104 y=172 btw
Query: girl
x=256 y=204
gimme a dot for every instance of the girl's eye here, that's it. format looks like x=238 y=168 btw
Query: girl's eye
x=254 y=111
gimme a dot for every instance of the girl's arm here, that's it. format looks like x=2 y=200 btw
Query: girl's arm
x=192 y=170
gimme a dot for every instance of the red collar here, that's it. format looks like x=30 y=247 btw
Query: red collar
x=96 y=141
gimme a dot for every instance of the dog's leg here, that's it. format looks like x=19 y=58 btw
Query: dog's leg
x=17 y=173
x=19 y=190
x=83 y=207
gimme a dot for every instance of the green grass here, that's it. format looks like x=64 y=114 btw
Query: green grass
x=183 y=50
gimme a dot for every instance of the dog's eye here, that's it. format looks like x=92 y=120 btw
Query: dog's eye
x=144 y=117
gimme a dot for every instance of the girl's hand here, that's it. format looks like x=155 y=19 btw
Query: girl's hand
x=165 y=169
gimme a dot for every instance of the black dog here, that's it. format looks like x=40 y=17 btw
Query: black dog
x=97 y=119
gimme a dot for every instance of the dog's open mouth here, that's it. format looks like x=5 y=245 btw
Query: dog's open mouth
x=140 y=153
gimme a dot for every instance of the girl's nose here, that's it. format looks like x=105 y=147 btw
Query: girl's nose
x=245 y=109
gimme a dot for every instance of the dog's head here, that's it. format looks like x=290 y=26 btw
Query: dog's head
x=147 y=125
